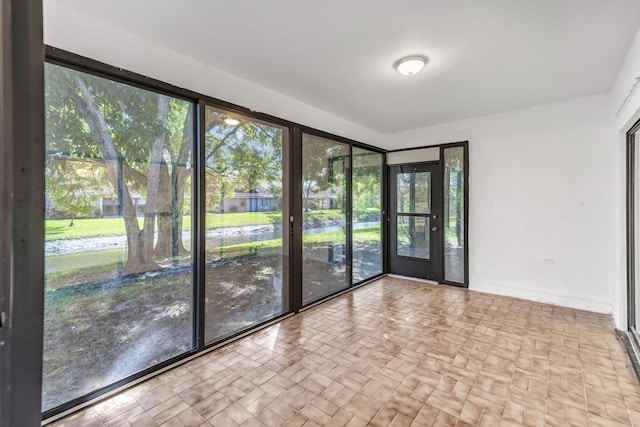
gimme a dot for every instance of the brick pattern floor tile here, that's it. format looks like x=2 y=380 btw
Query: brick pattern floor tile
x=398 y=353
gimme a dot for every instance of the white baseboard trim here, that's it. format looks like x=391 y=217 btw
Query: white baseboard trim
x=570 y=301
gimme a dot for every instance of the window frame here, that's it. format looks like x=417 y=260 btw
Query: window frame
x=199 y=101
x=465 y=214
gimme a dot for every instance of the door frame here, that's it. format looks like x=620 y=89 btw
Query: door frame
x=466 y=210
x=21 y=212
x=436 y=258
x=465 y=213
x=631 y=171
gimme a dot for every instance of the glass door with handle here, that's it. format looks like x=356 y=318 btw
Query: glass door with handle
x=415 y=232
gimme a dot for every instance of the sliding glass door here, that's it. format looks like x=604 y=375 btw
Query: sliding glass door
x=366 y=193
x=324 y=217
x=175 y=222
x=246 y=201
x=118 y=256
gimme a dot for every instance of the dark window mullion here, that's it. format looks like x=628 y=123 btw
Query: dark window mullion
x=200 y=228
x=295 y=226
x=349 y=222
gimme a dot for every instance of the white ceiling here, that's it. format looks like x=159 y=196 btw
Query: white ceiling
x=486 y=56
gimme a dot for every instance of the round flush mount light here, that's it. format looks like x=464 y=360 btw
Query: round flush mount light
x=410 y=65
x=231 y=121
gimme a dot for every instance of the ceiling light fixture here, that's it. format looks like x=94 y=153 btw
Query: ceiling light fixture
x=410 y=65
x=231 y=122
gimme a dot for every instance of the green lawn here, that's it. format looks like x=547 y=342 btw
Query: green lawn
x=361 y=235
x=78 y=274
x=106 y=227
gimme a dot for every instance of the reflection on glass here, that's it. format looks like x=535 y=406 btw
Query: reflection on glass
x=414 y=192
x=413 y=236
x=454 y=214
x=246 y=200
x=118 y=260
x=324 y=243
x=366 y=204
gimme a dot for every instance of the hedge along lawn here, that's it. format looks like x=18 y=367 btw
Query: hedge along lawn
x=59 y=229
x=81 y=274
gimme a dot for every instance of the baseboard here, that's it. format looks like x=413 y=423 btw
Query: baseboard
x=570 y=301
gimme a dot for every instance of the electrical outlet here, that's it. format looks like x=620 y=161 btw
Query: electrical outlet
x=549 y=260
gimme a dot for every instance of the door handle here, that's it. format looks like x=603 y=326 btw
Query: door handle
x=434 y=228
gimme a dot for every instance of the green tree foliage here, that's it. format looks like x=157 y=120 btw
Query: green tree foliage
x=454 y=188
x=323 y=170
x=414 y=196
x=74 y=189
x=138 y=138
x=143 y=143
x=241 y=157
x=366 y=184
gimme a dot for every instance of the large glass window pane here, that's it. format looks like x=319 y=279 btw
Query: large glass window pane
x=324 y=242
x=454 y=214
x=246 y=201
x=414 y=192
x=366 y=190
x=118 y=260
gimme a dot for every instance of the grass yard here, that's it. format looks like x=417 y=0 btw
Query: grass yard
x=59 y=229
x=79 y=274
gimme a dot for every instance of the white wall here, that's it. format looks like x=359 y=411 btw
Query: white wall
x=67 y=29
x=541 y=186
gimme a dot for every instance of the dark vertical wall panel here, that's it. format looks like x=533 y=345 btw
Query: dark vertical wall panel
x=5 y=213
x=295 y=226
x=22 y=212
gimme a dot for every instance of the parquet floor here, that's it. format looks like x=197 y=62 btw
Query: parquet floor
x=398 y=353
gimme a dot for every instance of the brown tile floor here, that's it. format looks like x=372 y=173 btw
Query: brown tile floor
x=398 y=353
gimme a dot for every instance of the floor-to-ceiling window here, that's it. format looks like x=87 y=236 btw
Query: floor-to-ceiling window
x=366 y=190
x=118 y=269
x=324 y=217
x=246 y=198
x=454 y=158
x=170 y=224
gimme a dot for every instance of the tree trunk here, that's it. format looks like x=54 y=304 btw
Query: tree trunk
x=99 y=129
x=153 y=206
x=165 y=222
x=170 y=242
x=305 y=197
x=183 y=175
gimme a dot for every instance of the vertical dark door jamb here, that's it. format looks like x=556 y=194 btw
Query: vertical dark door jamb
x=348 y=206
x=22 y=212
x=384 y=226
x=200 y=225
x=466 y=213
x=295 y=221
